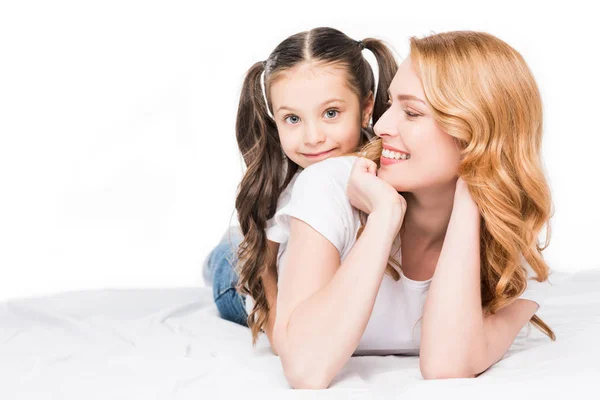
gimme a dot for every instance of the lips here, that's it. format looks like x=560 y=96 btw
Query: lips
x=317 y=155
x=388 y=147
x=394 y=155
x=390 y=155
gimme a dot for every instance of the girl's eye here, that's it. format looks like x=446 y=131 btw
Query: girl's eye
x=292 y=119
x=411 y=115
x=331 y=113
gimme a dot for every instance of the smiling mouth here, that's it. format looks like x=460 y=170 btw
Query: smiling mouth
x=394 y=155
x=315 y=155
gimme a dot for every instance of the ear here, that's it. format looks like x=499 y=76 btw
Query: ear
x=367 y=110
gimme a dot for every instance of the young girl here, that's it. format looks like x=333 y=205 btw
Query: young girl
x=447 y=263
x=317 y=101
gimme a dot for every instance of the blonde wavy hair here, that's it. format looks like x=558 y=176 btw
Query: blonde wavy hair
x=484 y=95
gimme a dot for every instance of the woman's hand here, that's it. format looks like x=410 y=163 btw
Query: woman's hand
x=463 y=198
x=369 y=193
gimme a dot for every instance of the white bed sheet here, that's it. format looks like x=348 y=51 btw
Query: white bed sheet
x=171 y=344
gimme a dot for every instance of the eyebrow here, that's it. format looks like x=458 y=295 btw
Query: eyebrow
x=405 y=97
x=323 y=104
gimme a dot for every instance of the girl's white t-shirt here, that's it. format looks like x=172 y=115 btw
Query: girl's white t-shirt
x=276 y=232
x=318 y=198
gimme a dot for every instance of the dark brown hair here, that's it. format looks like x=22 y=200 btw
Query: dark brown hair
x=268 y=170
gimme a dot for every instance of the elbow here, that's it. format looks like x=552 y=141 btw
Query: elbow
x=303 y=376
x=443 y=370
x=302 y=369
x=438 y=363
x=303 y=372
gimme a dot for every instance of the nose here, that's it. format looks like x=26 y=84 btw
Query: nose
x=313 y=135
x=386 y=126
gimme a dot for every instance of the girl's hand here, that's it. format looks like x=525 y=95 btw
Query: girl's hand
x=369 y=193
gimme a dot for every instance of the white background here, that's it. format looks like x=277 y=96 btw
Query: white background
x=118 y=162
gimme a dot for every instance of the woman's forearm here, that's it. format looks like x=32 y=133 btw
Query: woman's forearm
x=323 y=331
x=452 y=326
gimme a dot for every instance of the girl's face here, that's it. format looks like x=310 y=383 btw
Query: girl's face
x=317 y=114
x=417 y=153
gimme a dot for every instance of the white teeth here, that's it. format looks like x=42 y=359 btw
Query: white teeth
x=394 y=155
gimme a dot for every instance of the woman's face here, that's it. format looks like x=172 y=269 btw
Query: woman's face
x=317 y=114
x=417 y=153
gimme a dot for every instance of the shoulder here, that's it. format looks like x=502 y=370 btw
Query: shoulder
x=319 y=199
x=285 y=195
x=333 y=164
x=335 y=170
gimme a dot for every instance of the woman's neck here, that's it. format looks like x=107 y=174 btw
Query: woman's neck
x=427 y=216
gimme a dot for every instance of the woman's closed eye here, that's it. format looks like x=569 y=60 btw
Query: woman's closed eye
x=411 y=114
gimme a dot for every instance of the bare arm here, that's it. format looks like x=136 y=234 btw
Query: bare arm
x=452 y=317
x=324 y=307
x=457 y=341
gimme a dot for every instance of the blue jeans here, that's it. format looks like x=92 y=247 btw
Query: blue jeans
x=219 y=272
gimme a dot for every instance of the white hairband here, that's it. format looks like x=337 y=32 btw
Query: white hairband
x=264 y=91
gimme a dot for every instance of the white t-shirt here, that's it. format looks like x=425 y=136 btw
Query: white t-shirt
x=319 y=199
x=275 y=232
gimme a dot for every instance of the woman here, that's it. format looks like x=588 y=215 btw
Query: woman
x=447 y=264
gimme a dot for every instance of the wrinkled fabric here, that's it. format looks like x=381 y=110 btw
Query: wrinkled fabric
x=172 y=344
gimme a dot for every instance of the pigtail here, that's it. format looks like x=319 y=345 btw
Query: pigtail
x=259 y=190
x=372 y=150
x=387 y=69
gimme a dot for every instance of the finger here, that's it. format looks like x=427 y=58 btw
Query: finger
x=371 y=167
x=361 y=164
